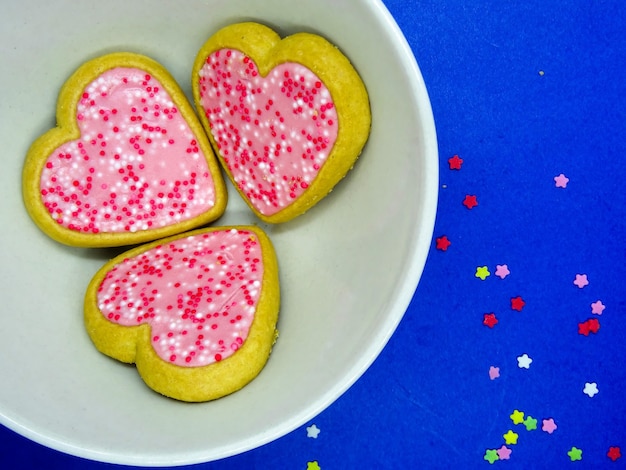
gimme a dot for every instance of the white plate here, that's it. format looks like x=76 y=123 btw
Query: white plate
x=349 y=267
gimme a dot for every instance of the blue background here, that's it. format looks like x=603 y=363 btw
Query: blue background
x=522 y=92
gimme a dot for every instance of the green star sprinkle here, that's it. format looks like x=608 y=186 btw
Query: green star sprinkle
x=491 y=455
x=482 y=272
x=575 y=454
x=530 y=423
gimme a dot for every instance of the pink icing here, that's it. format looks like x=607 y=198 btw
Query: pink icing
x=274 y=133
x=136 y=165
x=199 y=294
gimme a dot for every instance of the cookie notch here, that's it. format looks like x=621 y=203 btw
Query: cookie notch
x=132 y=344
x=267 y=50
x=67 y=130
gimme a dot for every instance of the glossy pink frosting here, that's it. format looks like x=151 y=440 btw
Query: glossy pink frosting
x=199 y=294
x=274 y=133
x=136 y=165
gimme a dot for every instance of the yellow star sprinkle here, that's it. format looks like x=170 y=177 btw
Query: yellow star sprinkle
x=510 y=437
x=313 y=465
x=482 y=272
x=517 y=417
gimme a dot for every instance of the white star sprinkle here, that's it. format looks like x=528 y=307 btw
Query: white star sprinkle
x=524 y=361
x=312 y=431
x=591 y=388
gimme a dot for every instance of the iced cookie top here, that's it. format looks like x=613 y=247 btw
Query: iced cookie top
x=136 y=165
x=274 y=133
x=199 y=294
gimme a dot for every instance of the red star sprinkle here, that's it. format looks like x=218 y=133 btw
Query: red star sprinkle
x=455 y=162
x=594 y=325
x=583 y=329
x=590 y=326
x=490 y=319
x=517 y=303
x=443 y=243
x=470 y=201
x=614 y=453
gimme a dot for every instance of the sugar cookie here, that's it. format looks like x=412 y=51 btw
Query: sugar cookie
x=195 y=312
x=128 y=161
x=287 y=118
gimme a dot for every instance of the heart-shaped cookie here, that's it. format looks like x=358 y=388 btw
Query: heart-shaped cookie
x=287 y=118
x=196 y=312
x=128 y=161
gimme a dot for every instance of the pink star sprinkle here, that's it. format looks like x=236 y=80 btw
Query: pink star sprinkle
x=597 y=307
x=581 y=280
x=494 y=372
x=548 y=426
x=561 y=181
x=502 y=271
x=504 y=452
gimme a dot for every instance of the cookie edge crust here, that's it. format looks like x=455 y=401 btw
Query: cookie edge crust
x=266 y=48
x=132 y=344
x=66 y=130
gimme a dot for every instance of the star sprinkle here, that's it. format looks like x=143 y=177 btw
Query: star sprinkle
x=590 y=326
x=482 y=272
x=614 y=453
x=490 y=320
x=530 y=423
x=548 y=425
x=494 y=372
x=597 y=307
x=313 y=466
x=491 y=455
x=502 y=271
x=504 y=453
x=591 y=389
x=470 y=201
x=517 y=417
x=524 y=361
x=510 y=437
x=575 y=454
x=561 y=181
x=581 y=280
x=312 y=431
x=455 y=162
x=442 y=243
x=517 y=303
